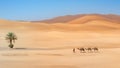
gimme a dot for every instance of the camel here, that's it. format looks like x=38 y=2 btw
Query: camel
x=89 y=49
x=95 y=49
x=73 y=50
x=81 y=50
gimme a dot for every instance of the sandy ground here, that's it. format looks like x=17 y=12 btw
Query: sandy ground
x=60 y=58
x=50 y=45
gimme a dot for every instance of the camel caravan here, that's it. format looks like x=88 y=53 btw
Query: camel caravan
x=84 y=50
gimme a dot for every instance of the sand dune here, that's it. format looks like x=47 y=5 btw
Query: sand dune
x=62 y=34
x=88 y=18
x=68 y=18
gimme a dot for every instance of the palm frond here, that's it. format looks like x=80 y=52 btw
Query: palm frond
x=11 y=36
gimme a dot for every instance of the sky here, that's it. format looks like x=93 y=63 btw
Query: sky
x=44 y=9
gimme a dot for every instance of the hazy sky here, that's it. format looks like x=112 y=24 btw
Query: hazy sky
x=43 y=9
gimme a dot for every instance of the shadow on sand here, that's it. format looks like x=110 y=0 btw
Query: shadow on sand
x=36 y=48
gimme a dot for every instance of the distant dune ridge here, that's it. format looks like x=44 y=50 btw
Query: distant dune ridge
x=83 y=18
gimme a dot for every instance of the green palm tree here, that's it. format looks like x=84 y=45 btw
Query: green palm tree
x=11 y=37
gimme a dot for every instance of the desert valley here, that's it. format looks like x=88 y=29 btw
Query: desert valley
x=50 y=43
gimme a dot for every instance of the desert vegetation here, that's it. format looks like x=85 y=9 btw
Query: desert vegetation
x=11 y=37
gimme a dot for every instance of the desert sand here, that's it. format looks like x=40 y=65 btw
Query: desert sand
x=42 y=45
x=62 y=58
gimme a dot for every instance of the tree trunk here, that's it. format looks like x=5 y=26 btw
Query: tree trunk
x=10 y=41
x=11 y=45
